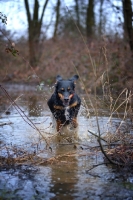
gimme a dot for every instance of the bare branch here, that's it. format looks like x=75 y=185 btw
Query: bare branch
x=36 y=6
x=27 y=10
x=44 y=7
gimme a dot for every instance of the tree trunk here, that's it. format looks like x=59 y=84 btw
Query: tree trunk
x=34 y=30
x=77 y=12
x=100 y=17
x=57 y=18
x=90 y=19
x=127 y=13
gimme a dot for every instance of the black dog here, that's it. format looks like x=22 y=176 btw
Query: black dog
x=64 y=97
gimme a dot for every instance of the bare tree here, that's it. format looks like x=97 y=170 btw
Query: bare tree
x=128 y=14
x=100 y=16
x=90 y=18
x=57 y=17
x=77 y=12
x=34 y=30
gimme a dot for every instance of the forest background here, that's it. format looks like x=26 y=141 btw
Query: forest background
x=91 y=37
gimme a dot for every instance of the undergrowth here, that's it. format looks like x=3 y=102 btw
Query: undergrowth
x=100 y=66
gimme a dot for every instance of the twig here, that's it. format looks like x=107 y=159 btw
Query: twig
x=12 y=103
x=94 y=166
x=20 y=111
x=106 y=156
x=97 y=136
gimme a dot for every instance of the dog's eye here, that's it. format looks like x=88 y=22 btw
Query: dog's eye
x=62 y=89
x=68 y=89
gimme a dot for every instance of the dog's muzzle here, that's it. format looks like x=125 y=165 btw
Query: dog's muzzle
x=65 y=98
x=66 y=101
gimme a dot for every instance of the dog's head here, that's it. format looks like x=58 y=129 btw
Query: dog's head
x=65 y=88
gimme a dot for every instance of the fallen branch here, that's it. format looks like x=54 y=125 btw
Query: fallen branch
x=5 y=123
x=97 y=136
x=94 y=166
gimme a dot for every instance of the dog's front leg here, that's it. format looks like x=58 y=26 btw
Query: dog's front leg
x=73 y=112
x=60 y=119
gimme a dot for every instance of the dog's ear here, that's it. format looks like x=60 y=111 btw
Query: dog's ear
x=74 y=78
x=58 y=78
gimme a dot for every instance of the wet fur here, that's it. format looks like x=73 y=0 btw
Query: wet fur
x=65 y=99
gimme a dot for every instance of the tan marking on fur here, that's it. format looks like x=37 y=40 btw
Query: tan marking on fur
x=58 y=107
x=71 y=95
x=60 y=95
x=73 y=104
x=74 y=122
x=58 y=125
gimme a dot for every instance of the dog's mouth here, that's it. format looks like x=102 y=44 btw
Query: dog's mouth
x=65 y=99
x=66 y=102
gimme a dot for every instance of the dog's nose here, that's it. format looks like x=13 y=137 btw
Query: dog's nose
x=66 y=99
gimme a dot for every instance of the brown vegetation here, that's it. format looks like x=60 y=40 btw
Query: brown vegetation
x=64 y=55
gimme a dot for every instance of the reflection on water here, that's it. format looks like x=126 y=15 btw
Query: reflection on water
x=64 y=174
x=68 y=177
x=33 y=106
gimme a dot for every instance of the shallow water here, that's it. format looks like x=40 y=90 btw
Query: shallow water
x=68 y=177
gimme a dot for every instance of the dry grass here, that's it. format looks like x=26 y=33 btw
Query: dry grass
x=104 y=72
x=60 y=57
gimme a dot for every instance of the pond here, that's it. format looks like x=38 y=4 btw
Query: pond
x=64 y=166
